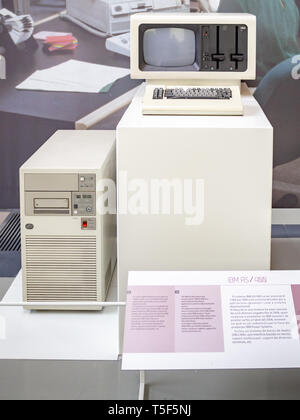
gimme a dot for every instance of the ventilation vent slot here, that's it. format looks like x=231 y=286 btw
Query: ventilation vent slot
x=61 y=268
x=10 y=235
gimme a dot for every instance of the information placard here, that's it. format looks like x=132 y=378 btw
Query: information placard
x=212 y=320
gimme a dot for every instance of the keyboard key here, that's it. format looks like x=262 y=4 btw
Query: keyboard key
x=155 y=94
x=198 y=93
x=158 y=93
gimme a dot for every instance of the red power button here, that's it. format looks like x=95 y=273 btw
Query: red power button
x=84 y=224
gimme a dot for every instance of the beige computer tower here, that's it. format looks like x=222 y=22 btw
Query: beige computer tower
x=68 y=239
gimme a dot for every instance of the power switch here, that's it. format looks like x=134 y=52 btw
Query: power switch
x=88 y=223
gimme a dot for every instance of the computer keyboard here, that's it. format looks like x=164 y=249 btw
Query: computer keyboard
x=192 y=93
x=181 y=99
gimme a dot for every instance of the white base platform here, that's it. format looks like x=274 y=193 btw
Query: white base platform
x=58 y=335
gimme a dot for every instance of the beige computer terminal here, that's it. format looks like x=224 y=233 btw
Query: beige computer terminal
x=193 y=63
x=68 y=240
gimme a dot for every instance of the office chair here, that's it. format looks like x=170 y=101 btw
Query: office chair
x=279 y=96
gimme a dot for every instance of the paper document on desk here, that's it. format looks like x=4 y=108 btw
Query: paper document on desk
x=74 y=76
x=42 y=35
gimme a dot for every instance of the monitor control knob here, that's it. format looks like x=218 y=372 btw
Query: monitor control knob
x=237 y=57
x=218 y=57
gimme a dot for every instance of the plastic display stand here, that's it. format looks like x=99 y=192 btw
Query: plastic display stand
x=58 y=335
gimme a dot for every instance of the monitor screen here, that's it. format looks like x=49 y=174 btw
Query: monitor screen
x=169 y=47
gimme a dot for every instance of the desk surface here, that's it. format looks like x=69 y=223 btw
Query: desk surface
x=61 y=106
x=58 y=335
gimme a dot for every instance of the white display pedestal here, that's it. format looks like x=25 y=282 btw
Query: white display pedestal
x=231 y=155
x=63 y=335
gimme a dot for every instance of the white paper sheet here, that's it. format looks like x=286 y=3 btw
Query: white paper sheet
x=44 y=34
x=74 y=76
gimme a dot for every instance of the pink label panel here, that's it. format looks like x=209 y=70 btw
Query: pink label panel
x=198 y=319
x=296 y=297
x=167 y=319
x=149 y=324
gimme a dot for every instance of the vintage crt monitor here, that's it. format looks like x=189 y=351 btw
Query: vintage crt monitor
x=193 y=63
x=68 y=243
